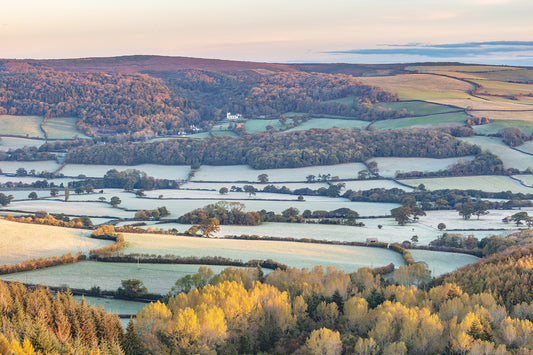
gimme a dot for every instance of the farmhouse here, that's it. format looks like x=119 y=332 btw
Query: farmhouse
x=231 y=117
x=371 y=240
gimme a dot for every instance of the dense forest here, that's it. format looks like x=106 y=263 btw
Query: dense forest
x=288 y=150
x=149 y=105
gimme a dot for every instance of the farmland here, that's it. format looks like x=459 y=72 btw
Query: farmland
x=23 y=126
x=417 y=108
x=7 y=143
x=10 y=167
x=440 y=263
x=26 y=241
x=436 y=120
x=389 y=166
x=488 y=183
x=510 y=157
x=62 y=128
x=156 y=171
x=329 y=123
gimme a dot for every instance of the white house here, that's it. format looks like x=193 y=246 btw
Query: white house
x=231 y=117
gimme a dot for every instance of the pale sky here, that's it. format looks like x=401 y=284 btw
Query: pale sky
x=265 y=30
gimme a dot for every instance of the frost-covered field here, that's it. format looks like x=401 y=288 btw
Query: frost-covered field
x=489 y=183
x=510 y=157
x=62 y=128
x=217 y=185
x=171 y=172
x=389 y=166
x=291 y=253
x=107 y=195
x=23 y=194
x=325 y=123
x=245 y=173
x=440 y=262
x=26 y=126
x=158 y=278
x=10 y=167
x=180 y=207
x=453 y=220
x=526 y=179
x=114 y=306
x=72 y=208
x=526 y=147
x=21 y=241
x=7 y=143
x=31 y=179
x=362 y=185
x=215 y=195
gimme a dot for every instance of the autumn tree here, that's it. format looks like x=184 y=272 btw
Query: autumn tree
x=209 y=226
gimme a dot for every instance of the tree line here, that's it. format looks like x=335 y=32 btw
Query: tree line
x=288 y=150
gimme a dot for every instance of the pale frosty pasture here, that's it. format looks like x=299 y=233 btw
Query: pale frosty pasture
x=245 y=173
x=510 y=157
x=23 y=194
x=31 y=179
x=526 y=179
x=325 y=123
x=180 y=207
x=439 y=262
x=62 y=128
x=217 y=185
x=488 y=183
x=362 y=185
x=496 y=126
x=26 y=126
x=21 y=241
x=107 y=194
x=71 y=208
x=158 y=278
x=170 y=172
x=112 y=305
x=388 y=167
x=10 y=167
x=438 y=120
x=7 y=143
x=295 y=254
x=215 y=195
x=416 y=108
x=453 y=220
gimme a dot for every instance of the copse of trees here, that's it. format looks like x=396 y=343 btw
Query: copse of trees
x=288 y=150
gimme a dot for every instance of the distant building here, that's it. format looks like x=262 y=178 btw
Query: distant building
x=231 y=117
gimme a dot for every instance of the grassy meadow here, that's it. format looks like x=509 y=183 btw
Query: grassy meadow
x=24 y=126
x=62 y=128
x=489 y=183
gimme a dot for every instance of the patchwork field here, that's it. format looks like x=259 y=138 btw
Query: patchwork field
x=489 y=183
x=24 y=126
x=388 y=167
x=171 y=172
x=362 y=185
x=62 y=128
x=495 y=126
x=72 y=208
x=21 y=241
x=417 y=108
x=290 y=253
x=30 y=179
x=215 y=195
x=254 y=126
x=158 y=278
x=422 y=86
x=180 y=207
x=10 y=167
x=217 y=185
x=438 y=120
x=325 y=123
x=7 y=143
x=244 y=173
x=441 y=263
x=510 y=157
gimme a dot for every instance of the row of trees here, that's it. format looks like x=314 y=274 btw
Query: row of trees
x=288 y=150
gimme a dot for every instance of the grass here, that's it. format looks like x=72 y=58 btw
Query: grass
x=73 y=208
x=417 y=108
x=10 y=167
x=217 y=185
x=461 y=68
x=440 y=262
x=422 y=86
x=114 y=306
x=7 y=143
x=325 y=123
x=489 y=183
x=503 y=87
x=171 y=172
x=21 y=241
x=389 y=166
x=254 y=126
x=290 y=253
x=25 y=126
x=516 y=75
x=525 y=116
x=62 y=128
x=510 y=157
x=496 y=125
x=526 y=179
x=245 y=173
x=158 y=278
x=362 y=185
x=438 y=120
x=527 y=147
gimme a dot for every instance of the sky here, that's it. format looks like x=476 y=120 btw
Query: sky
x=352 y=31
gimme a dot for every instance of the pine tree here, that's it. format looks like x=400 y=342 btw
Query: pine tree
x=131 y=344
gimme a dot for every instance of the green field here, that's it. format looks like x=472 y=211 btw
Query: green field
x=295 y=254
x=417 y=108
x=158 y=278
x=496 y=125
x=438 y=120
x=254 y=126
x=62 y=128
x=503 y=87
x=7 y=143
x=325 y=123
x=489 y=183
x=510 y=157
x=24 y=126
x=516 y=75
x=439 y=262
x=389 y=166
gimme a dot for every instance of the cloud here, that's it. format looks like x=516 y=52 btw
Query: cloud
x=451 y=50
